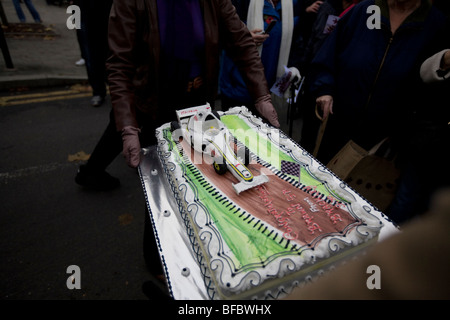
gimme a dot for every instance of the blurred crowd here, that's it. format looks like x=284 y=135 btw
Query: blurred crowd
x=360 y=69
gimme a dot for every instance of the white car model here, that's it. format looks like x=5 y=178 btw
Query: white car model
x=203 y=130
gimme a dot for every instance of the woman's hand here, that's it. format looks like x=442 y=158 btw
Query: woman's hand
x=265 y=107
x=325 y=103
x=314 y=8
x=445 y=62
x=258 y=36
x=131 y=146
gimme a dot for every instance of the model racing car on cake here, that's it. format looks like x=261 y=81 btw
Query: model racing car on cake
x=205 y=133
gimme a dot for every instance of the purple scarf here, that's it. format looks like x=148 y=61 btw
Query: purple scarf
x=182 y=38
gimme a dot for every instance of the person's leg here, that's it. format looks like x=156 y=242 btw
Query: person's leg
x=33 y=11
x=19 y=11
x=93 y=173
x=97 y=28
x=97 y=74
x=108 y=147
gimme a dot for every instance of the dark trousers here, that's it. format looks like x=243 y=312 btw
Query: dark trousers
x=108 y=147
x=97 y=41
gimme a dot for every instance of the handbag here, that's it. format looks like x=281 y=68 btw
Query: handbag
x=373 y=176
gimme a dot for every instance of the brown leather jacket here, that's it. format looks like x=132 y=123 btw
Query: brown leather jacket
x=133 y=66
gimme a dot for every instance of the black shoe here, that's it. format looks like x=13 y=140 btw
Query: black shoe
x=96 y=180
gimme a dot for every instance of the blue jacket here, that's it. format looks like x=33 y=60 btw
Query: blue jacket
x=231 y=83
x=367 y=71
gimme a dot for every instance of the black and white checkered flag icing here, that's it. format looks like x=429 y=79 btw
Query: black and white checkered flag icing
x=290 y=168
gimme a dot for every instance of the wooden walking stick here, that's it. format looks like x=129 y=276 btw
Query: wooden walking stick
x=320 y=132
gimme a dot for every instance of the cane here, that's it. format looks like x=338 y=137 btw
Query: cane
x=320 y=133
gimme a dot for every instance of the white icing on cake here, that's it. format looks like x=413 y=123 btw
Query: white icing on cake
x=296 y=261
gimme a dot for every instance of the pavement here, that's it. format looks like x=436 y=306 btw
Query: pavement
x=41 y=60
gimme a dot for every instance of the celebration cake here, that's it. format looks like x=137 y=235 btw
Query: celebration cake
x=258 y=234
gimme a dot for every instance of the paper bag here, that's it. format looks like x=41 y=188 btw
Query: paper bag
x=373 y=176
